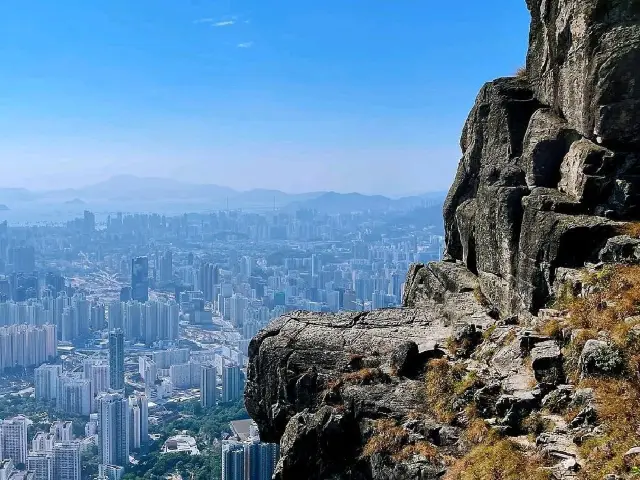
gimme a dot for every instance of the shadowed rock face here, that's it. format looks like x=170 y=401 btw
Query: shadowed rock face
x=550 y=171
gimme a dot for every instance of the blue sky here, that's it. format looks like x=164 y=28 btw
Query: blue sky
x=300 y=95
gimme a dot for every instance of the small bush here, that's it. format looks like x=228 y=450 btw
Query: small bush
x=477 y=430
x=551 y=328
x=469 y=381
x=521 y=72
x=500 y=460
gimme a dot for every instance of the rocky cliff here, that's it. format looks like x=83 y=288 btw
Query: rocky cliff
x=548 y=184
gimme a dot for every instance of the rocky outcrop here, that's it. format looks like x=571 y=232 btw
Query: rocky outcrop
x=548 y=180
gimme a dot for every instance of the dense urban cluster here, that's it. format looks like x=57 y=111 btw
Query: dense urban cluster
x=112 y=322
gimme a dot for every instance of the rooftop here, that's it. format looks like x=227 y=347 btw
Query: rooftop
x=241 y=429
x=181 y=443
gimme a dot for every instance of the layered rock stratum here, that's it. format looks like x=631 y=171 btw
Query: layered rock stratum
x=548 y=182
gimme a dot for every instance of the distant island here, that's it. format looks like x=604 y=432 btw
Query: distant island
x=3 y=207
x=75 y=201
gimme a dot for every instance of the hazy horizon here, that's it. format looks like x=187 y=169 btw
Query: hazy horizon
x=296 y=97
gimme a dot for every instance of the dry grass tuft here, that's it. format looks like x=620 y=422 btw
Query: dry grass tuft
x=364 y=376
x=607 y=310
x=632 y=229
x=442 y=382
x=388 y=439
x=521 y=72
x=391 y=439
x=617 y=404
x=422 y=449
x=499 y=459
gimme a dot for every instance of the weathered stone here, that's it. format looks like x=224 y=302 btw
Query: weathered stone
x=632 y=457
x=600 y=358
x=586 y=416
x=585 y=172
x=331 y=436
x=621 y=249
x=546 y=361
x=492 y=136
x=405 y=359
x=584 y=61
x=546 y=142
x=559 y=399
x=549 y=162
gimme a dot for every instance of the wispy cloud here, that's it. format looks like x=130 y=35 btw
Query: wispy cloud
x=245 y=45
x=224 y=23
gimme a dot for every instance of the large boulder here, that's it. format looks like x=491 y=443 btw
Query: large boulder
x=600 y=358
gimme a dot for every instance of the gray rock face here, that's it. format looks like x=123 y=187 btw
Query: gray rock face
x=583 y=60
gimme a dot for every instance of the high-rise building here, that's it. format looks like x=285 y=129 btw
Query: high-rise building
x=166 y=267
x=13 y=439
x=173 y=333
x=138 y=420
x=26 y=345
x=41 y=464
x=98 y=316
x=113 y=433
x=62 y=431
x=46 y=379
x=208 y=278
x=110 y=472
x=133 y=320
x=97 y=371
x=245 y=457
x=74 y=394
x=116 y=315
x=148 y=370
x=232 y=383
x=232 y=460
x=66 y=461
x=208 y=386
x=89 y=223
x=140 y=279
x=116 y=359
x=43 y=442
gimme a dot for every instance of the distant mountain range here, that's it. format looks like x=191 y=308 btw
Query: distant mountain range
x=131 y=193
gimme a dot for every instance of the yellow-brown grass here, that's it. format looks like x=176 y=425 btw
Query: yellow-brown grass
x=364 y=376
x=422 y=448
x=617 y=404
x=614 y=298
x=391 y=439
x=521 y=72
x=442 y=381
x=497 y=460
x=632 y=229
